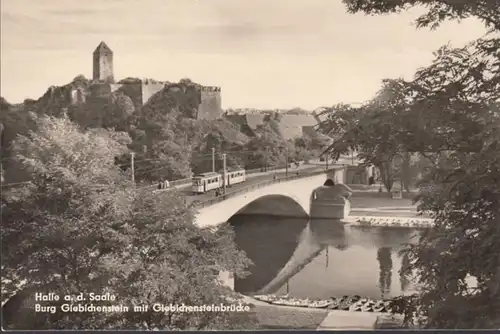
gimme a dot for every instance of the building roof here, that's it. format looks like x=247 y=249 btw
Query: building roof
x=103 y=48
x=209 y=174
x=290 y=125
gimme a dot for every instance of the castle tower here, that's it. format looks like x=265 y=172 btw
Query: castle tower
x=103 y=63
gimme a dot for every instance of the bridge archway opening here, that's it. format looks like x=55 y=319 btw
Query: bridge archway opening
x=275 y=205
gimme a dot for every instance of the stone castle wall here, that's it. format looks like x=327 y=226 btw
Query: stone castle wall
x=211 y=103
x=100 y=90
x=115 y=87
x=150 y=89
x=210 y=107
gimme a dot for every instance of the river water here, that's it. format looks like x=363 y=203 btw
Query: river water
x=321 y=258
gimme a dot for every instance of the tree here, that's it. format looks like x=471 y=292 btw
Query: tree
x=302 y=148
x=452 y=117
x=62 y=222
x=224 y=137
x=437 y=10
x=373 y=130
x=268 y=148
x=164 y=142
x=119 y=109
x=16 y=121
x=461 y=190
x=167 y=133
x=81 y=226
x=172 y=261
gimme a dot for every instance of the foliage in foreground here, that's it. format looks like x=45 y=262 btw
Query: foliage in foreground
x=80 y=226
x=449 y=113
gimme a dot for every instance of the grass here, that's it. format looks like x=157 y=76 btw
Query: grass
x=274 y=317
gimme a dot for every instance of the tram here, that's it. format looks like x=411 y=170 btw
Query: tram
x=203 y=183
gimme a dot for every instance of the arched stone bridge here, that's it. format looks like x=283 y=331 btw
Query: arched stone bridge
x=287 y=198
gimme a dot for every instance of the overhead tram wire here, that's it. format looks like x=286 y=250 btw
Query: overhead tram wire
x=138 y=161
x=205 y=157
x=195 y=155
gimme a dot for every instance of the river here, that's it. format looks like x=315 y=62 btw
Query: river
x=321 y=258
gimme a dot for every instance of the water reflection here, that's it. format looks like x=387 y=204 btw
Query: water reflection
x=385 y=275
x=320 y=258
x=329 y=232
x=404 y=279
x=269 y=242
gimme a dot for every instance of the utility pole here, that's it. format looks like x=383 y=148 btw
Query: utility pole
x=213 y=159
x=267 y=157
x=286 y=160
x=225 y=172
x=132 y=155
x=326 y=160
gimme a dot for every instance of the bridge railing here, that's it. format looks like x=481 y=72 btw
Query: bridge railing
x=227 y=195
x=188 y=181
x=181 y=182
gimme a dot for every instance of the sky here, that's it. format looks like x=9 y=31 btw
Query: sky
x=262 y=53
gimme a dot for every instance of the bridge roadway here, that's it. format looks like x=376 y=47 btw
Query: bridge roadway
x=252 y=180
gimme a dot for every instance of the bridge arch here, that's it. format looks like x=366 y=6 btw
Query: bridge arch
x=275 y=203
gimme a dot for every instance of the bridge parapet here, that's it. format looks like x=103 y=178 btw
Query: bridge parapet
x=259 y=185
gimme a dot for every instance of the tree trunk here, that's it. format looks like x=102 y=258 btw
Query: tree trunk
x=406 y=172
x=386 y=174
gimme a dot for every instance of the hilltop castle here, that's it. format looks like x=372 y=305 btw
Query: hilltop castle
x=139 y=90
x=293 y=123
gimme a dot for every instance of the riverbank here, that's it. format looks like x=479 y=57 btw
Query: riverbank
x=293 y=317
x=290 y=317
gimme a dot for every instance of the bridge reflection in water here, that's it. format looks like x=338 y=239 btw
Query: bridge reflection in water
x=320 y=258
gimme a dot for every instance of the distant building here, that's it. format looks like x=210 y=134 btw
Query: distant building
x=290 y=125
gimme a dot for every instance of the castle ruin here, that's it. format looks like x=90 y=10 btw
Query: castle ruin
x=103 y=63
x=104 y=84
